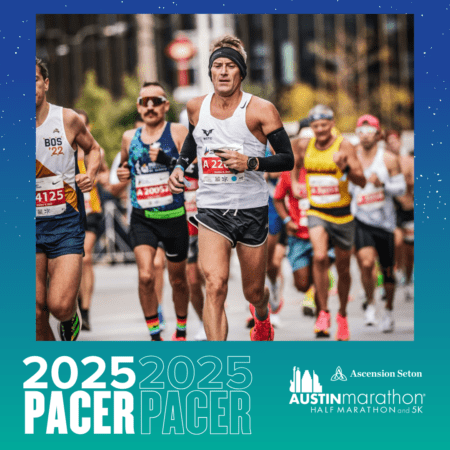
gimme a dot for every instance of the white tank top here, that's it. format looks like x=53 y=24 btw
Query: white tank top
x=372 y=205
x=55 y=167
x=218 y=187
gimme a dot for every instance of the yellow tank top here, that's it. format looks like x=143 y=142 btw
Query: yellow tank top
x=326 y=184
x=91 y=199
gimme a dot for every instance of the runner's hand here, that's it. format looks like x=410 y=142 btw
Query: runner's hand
x=340 y=159
x=176 y=183
x=291 y=228
x=154 y=150
x=375 y=180
x=84 y=182
x=123 y=172
x=234 y=160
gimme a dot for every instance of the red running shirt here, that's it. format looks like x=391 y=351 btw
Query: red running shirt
x=297 y=207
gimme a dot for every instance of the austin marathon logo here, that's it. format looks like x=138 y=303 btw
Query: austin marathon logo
x=306 y=389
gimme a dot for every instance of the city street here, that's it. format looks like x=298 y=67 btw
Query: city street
x=116 y=314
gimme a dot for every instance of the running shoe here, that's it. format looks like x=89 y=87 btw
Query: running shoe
x=409 y=292
x=387 y=323
x=278 y=309
x=201 y=334
x=323 y=323
x=275 y=299
x=70 y=329
x=370 y=315
x=250 y=322
x=308 y=304
x=175 y=338
x=162 y=322
x=263 y=329
x=343 y=334
x=275 y=320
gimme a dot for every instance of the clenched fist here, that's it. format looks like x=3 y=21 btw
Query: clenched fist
x=340 y=159
x=123 y=172
x=84 y=182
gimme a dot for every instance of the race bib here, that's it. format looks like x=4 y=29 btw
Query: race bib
x=214 y=171
x=303 y=206
x=371 y=199
x=190 y=204
x=87 y=202
x=50 y=197
x=324 y=189
x=153 y=190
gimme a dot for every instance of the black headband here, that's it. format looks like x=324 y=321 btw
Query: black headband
x=230 y=53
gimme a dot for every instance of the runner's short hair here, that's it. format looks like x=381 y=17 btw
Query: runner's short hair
x=42 y=67
x=154 y=83
x=228 y=40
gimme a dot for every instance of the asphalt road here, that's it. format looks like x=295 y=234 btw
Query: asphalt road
x=116 y=314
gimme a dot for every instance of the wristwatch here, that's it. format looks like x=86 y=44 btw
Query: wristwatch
x=252 y=163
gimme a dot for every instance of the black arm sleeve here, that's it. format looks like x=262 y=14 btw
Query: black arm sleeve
x=167 y=160
x=283 y=160
x=189 y=149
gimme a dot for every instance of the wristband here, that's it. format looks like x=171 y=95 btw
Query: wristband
x=179 y=166
x=287 y=220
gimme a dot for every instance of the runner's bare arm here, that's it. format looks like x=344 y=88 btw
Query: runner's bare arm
x=299 y=146
x=79 y=135
x=347 y=157
x=395 y=185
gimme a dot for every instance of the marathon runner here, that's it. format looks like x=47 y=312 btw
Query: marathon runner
x=94 y=228
x=148 y=156
x=228 y=133
x=60 y=213
x=374 y=212
x=330 y=162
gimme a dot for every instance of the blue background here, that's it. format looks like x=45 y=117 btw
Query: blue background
x=274 y=422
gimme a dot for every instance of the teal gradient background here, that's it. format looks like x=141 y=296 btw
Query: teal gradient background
x=275 y=423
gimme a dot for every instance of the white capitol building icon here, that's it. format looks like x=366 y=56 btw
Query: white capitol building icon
x=306 y=383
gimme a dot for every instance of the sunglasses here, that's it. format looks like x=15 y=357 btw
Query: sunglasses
x=366 y=129
x=151 y=101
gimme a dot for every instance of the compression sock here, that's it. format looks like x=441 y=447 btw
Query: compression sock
x=153 y=327
x=181 y=326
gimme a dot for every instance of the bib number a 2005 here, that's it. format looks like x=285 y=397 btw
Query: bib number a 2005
x=153 y=190
x=50 y=197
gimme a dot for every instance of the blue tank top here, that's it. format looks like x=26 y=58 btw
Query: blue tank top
x=142 y=167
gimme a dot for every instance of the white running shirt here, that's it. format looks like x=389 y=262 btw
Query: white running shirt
x=218 y=187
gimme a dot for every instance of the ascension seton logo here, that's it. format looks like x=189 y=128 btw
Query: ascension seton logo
x=339 y=376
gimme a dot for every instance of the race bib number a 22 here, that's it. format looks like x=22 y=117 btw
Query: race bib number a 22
x=50 y=198
x=214 y=170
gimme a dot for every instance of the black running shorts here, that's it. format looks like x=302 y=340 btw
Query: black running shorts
x=173 y=233
x=247 y=226
x=381 y=240
x=95 y=223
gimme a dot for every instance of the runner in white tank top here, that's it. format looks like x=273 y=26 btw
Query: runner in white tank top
x=229 y=130
x=373 y=208
x=219 y=188
x=59 y=227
